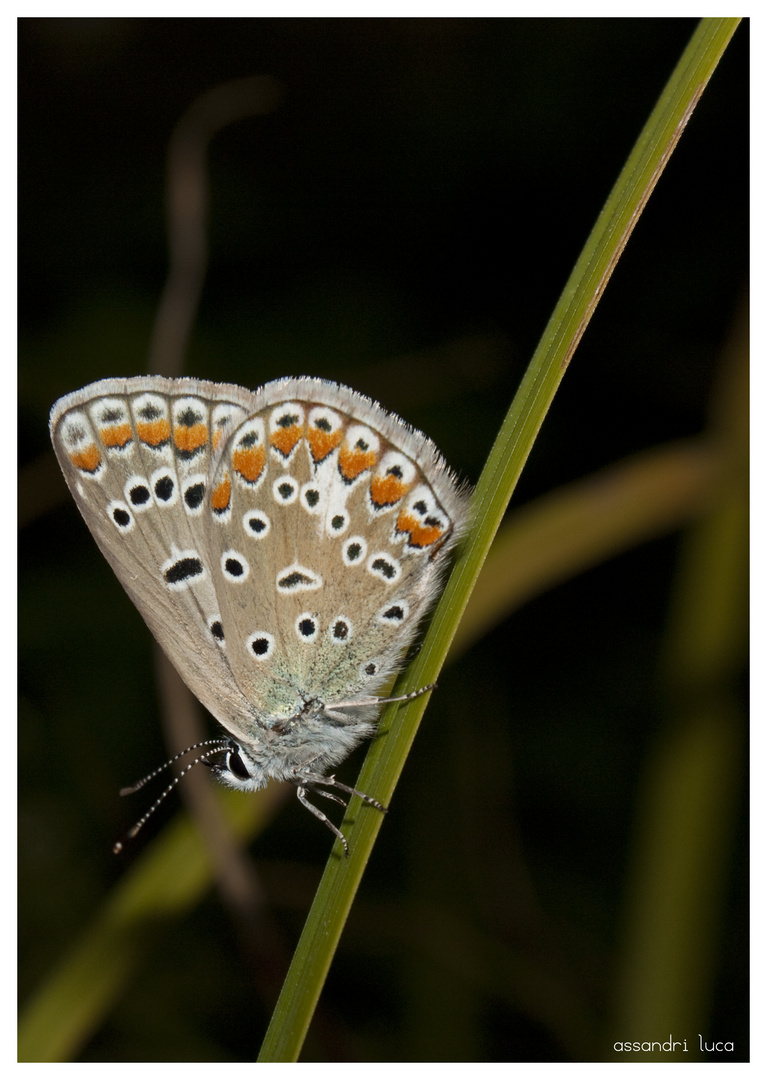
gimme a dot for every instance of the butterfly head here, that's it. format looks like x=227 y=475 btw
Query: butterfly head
x=236 y=768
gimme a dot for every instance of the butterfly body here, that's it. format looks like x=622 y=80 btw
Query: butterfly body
x=282 y=545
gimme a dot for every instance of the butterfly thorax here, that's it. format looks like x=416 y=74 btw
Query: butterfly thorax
x=314 y=739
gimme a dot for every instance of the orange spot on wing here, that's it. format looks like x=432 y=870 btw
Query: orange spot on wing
x=285 y=438
x=249 y=462
x=322 y=443
x=420 y=535
x=87 y=460
x=221 y=494
x=189 y=439
x=353 y=462
x=116 y=435
x=153 y=432
x=386 y=490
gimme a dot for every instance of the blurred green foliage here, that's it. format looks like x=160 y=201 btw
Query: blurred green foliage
x=404 y=223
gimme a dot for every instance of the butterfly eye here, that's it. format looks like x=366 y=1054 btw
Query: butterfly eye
x=236 y=766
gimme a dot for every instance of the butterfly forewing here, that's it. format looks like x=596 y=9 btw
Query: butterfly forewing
x=137 y=473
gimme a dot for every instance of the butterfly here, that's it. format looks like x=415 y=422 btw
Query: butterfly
x=282 y=545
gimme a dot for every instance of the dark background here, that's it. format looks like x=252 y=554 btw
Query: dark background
x=403 y=222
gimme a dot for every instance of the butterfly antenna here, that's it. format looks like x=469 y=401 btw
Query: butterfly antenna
x=217 y=746
x=220 y=743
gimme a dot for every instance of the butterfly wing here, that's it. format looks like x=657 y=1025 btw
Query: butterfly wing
x=136 y=455
x=330 y=526
x=281 y=545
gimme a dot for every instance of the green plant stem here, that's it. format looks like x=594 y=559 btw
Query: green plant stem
x=386 y=758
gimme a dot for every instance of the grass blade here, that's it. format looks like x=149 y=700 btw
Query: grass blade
x=386 y=758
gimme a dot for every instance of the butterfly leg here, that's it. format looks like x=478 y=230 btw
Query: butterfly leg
x=315 y=783
x=301 y=792
x=330 y=795
x=355 y=704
